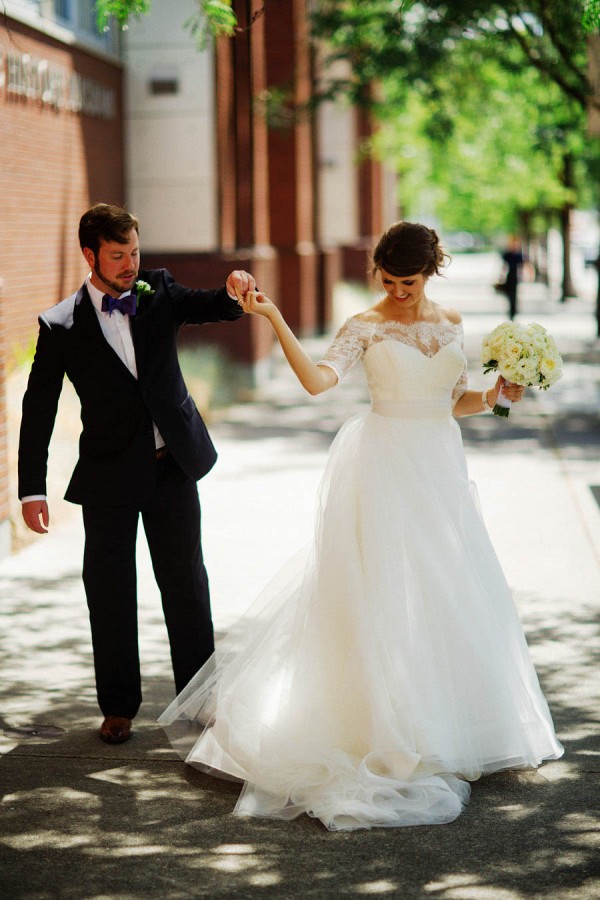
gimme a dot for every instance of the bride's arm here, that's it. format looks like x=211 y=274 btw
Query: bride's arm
x=315 y=379
x=471 y=402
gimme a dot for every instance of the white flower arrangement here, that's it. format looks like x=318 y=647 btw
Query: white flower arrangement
x=142 y=289
x=522 y=354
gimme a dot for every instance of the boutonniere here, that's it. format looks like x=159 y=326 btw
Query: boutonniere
x=142 y=289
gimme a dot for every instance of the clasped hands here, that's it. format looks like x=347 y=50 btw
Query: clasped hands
x=256 y=303
x=239 y=283
x=242 y=284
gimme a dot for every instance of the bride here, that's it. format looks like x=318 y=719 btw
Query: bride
x=390 y=669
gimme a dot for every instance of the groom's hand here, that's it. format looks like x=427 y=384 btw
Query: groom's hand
x=33 y=511
x=239 y=283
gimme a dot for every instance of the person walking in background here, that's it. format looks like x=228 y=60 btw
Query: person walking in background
x=391 y=668
x=142 y=449
x=513 y=259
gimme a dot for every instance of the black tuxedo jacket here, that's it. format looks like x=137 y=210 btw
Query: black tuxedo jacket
x=117 y=460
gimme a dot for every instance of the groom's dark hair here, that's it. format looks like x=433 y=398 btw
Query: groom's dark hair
x=104 y=222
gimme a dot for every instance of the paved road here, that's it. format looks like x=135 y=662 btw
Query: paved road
x=85 y=820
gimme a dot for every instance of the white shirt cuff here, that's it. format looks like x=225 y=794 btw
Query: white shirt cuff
x=33 y=497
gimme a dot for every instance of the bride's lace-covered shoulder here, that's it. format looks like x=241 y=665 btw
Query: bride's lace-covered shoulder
x=356 y=335
x=348 y=345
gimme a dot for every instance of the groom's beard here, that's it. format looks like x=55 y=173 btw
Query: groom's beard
x=117 y=286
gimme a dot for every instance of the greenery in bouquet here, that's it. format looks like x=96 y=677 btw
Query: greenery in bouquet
x=522 y=354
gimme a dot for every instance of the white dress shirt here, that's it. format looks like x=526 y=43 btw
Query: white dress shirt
x=116 y=329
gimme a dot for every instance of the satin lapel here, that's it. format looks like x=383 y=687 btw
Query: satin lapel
x=85 y=320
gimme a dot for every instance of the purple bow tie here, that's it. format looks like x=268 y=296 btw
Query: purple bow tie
x=126 y=304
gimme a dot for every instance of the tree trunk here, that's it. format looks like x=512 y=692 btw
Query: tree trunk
x=541 y=268
x=565 y=228
x=598 y=295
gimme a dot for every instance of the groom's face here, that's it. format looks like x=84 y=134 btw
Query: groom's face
x=115 y=266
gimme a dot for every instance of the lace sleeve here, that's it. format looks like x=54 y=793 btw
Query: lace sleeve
x=348 y=345
x=462 y=384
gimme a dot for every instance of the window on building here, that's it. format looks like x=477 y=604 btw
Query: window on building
x=79 y=16
x=163 y=86
x=164 y=80
x=63 y=9
x=87 y=16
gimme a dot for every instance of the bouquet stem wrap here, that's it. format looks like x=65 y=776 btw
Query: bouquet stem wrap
x=502 y=405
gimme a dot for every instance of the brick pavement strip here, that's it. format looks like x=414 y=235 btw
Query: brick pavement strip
x=83 y=819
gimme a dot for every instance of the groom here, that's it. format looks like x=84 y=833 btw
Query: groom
x=143 y=447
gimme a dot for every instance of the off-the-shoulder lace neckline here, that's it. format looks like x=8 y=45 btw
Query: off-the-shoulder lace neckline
x=385 y=322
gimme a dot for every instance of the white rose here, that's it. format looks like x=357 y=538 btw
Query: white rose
x=510 y=373
x=551 y=369
x=528 y=370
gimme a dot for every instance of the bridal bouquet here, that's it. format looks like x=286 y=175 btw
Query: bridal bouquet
x=522 y=354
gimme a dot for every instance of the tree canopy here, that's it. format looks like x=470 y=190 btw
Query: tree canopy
x=213 y=17
x=483 y=101
x=411 y=39
x=485 y=148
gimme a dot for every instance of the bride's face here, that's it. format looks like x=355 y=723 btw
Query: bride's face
x=404 y=292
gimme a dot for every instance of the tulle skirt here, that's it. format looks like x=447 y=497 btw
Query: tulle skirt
x=385 y=667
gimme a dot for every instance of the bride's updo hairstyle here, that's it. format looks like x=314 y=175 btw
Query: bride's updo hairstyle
x=408 y=248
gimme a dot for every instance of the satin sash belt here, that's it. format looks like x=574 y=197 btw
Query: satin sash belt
x=412 y=409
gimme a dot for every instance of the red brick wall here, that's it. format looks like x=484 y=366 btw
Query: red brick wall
x=4 y=488
x=54 y=164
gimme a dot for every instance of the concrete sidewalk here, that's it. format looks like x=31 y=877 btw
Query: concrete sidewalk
x=82 y=819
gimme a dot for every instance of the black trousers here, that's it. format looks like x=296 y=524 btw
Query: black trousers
x=511 y=292
x=172 y=525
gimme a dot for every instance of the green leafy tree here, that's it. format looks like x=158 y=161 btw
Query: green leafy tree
x=413 y=39
x=213 y=17
x=544 y=37
x=591 y=16
x=479 y=172
x=494 y=138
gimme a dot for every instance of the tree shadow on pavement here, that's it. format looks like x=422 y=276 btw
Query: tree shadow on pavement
x=84 y=819
x=123 y=827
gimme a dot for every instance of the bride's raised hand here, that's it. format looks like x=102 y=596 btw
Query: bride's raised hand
x=513 y=392
x=311 y=376
x=258 y=304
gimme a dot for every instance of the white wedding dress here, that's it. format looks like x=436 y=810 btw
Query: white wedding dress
x=389 y=668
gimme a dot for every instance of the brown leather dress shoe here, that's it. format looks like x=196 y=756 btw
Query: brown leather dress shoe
x=115 y=730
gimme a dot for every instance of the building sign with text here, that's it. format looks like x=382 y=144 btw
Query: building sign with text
x=54 y=86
